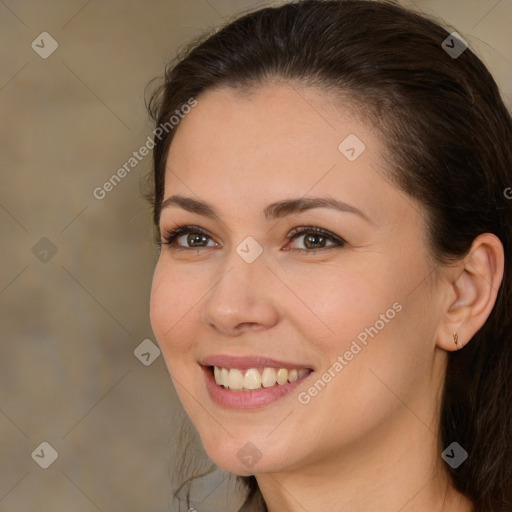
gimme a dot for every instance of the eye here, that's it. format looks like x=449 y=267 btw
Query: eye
x=195 y=237
x=314 y=239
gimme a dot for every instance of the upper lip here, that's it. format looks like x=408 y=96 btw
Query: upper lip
x=251 y=361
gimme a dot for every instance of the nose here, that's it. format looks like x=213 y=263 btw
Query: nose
x=243 y=298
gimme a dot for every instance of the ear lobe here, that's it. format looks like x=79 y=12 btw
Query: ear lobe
x=477 y=280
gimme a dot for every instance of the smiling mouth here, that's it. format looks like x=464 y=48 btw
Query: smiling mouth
x=254 y=379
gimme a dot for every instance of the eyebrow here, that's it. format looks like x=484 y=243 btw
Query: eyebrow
x=271 y=212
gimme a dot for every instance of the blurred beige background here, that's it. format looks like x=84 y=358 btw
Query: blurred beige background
x=76 y=270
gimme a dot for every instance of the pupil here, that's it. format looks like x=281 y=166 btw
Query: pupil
x=315 y=239
x=193 y=238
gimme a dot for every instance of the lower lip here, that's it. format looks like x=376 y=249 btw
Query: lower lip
x=247 y=399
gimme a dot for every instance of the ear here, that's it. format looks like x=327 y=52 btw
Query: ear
x=473 y=287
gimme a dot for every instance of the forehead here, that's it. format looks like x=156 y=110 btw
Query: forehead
x=271 y=135
x=276 y=112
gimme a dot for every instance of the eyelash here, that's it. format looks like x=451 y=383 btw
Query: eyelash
x=171 y=236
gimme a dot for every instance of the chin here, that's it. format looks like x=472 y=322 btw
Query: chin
x=250 y=466
x=243 y=457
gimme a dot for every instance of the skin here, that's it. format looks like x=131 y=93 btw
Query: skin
x=368 y=440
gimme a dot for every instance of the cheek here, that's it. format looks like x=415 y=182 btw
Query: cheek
x=366 y=318
x=383 y=341
x=171 y=308
x=334 y=304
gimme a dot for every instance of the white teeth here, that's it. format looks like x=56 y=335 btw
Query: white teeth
x=268 y=377
x=252 y=379
x=235 y=379
x=282 y=375
x=223 y=377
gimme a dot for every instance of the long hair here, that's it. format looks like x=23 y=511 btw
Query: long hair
x=447 y=138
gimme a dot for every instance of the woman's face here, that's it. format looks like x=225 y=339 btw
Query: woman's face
x=354 y=310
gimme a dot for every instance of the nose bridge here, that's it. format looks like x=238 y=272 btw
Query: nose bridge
x=246 y=263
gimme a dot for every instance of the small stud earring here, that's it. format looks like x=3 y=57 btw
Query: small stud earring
x=456 y=338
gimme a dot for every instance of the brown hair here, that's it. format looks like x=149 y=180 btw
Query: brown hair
x=448 y=143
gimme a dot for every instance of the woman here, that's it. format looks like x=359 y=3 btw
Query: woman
x=332 y=289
